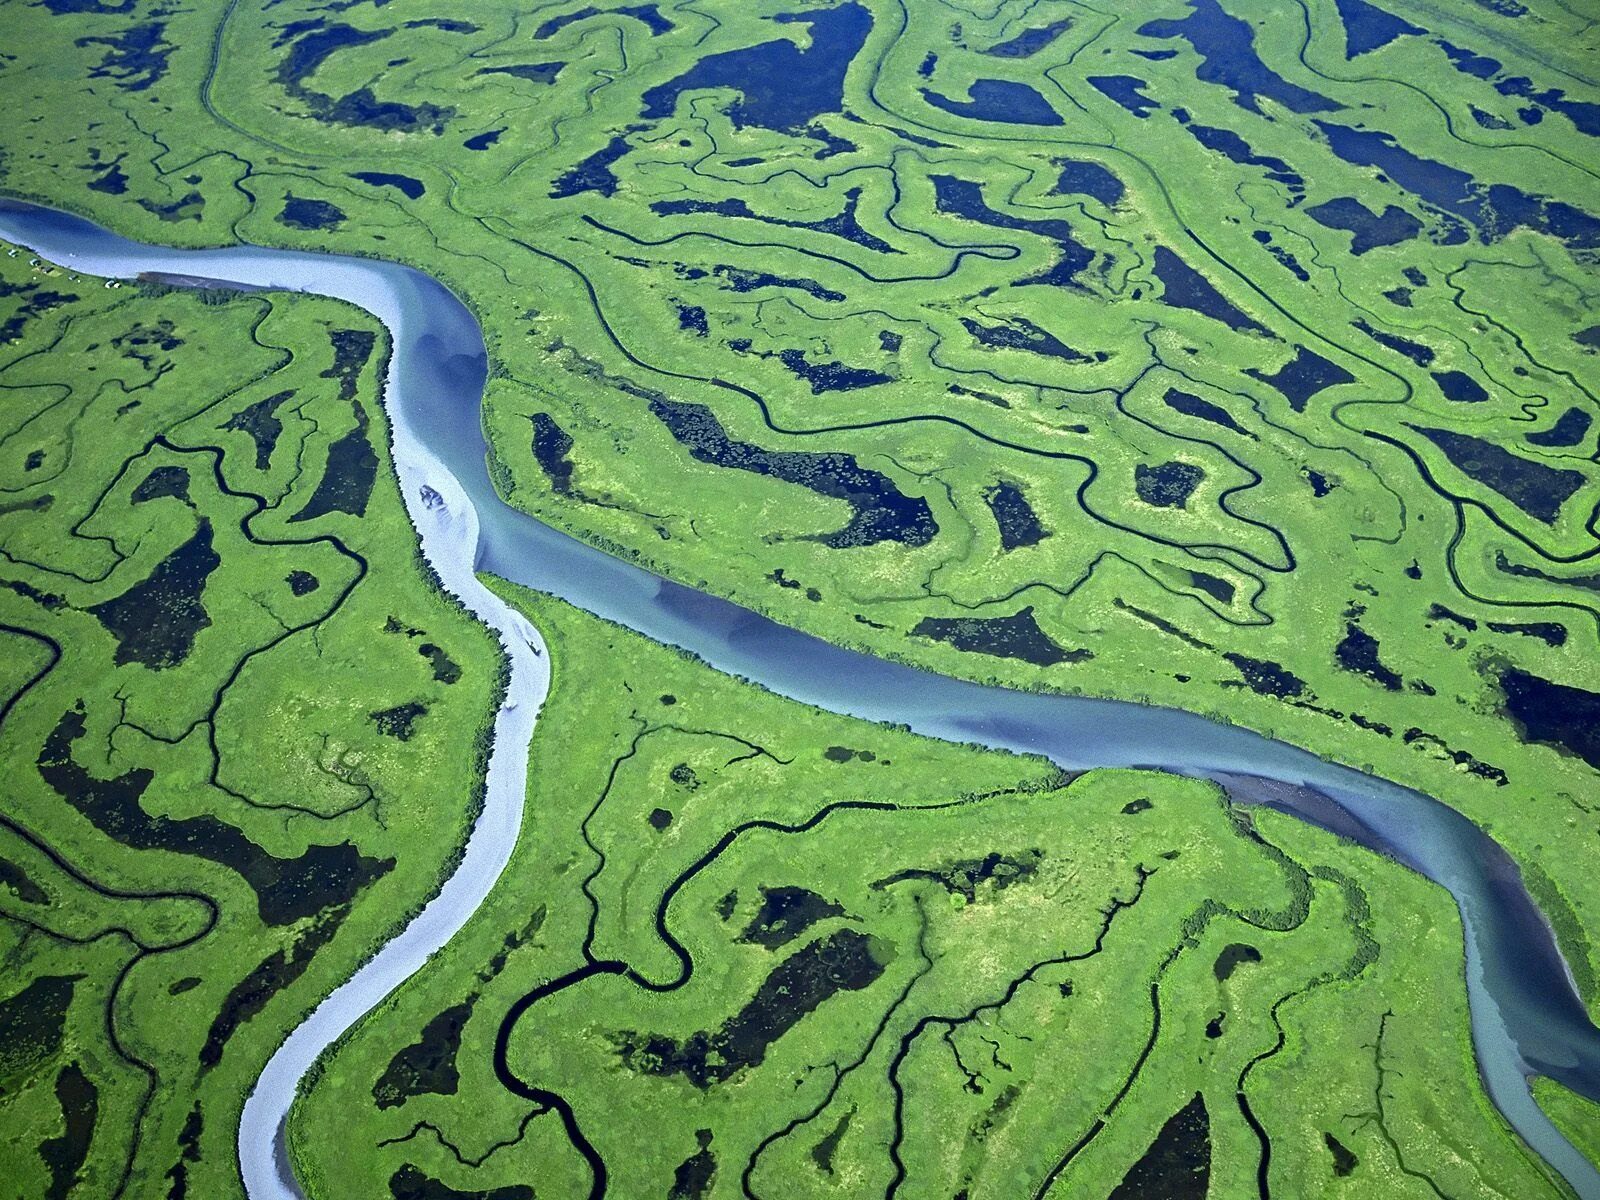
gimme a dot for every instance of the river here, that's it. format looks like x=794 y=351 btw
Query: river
x=1526 y=1015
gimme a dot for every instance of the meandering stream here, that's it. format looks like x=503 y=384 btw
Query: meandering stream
x=1526 y=1015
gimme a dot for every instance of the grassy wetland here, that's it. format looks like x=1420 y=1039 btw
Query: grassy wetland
x=1168 y=357
x=1234 y=357
x=241 y=727
x=746 y=947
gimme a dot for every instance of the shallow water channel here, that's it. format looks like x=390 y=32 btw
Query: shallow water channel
x=1526 y=1016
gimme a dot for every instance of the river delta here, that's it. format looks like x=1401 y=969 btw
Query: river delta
x=743 y=903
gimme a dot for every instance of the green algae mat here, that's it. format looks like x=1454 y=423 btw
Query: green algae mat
x=1231 y=356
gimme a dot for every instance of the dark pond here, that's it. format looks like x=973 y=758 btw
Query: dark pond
x=1177 y=1166
x=64 y=1154
x=781 y=86
x=1368 y=27
x=824 y=1151
x=1267 y=678
x=1460 y=387
x=1017 y=636
x=270 y=976
x=1584 y=114
x=1030 y=41
x=113 y=182
x=1085 y=178
x=1234 y=148
x=352 y=348
x=1554 y=713
x=1019 y=333
x=135 y=59
x=881 y=511
x=1535 y=488
x=1303 y=376
x=739 y=279
x=1233 y=955
x=348 y=477
x=786 y=913
x=551 y=445
x=22 y=887
x=594 y=173
x=188 y=1152
x=445 y=669
x=1212 y=585
x=287 y=889
x=998 y=100
x=1357 y=651
x=1422 y=355
x=1126 y=90
x=162 y=483
x=156 y=621
x=1226 y=45
x=1168 y=484
x=532 y=72
x=845 y=960
x=1494 y=210
x=694 y=1174
x=830 y=376
x=399 y=722
x=32 y=1023
x=260 y=422
x=1184 y=287
x=1571 y=427
x=1370 y=229
x=1549 y=632
x=411 y=188
x=1344 y=1158
x=409 y=1183
x=300 y=213
x=1193 y=406
x=1019 y=525
x=428 y=1065
x=1480 y=66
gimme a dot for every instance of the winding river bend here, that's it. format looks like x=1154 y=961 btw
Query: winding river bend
x=1526 y=1015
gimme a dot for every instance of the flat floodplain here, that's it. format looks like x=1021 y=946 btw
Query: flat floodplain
x=745 y=945
x=242 y=730
x=1218 y=355
x=1258 y=382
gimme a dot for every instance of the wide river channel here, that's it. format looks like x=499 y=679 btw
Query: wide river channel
x=1526 y=1015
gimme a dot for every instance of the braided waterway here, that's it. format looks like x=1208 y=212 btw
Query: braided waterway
x=1526 y=1015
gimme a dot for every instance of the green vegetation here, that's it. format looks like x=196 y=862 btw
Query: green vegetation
x=1192 y=355
x=1576 y=1117
x=241 y=728
x=1213 y=353
x=743 y=942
